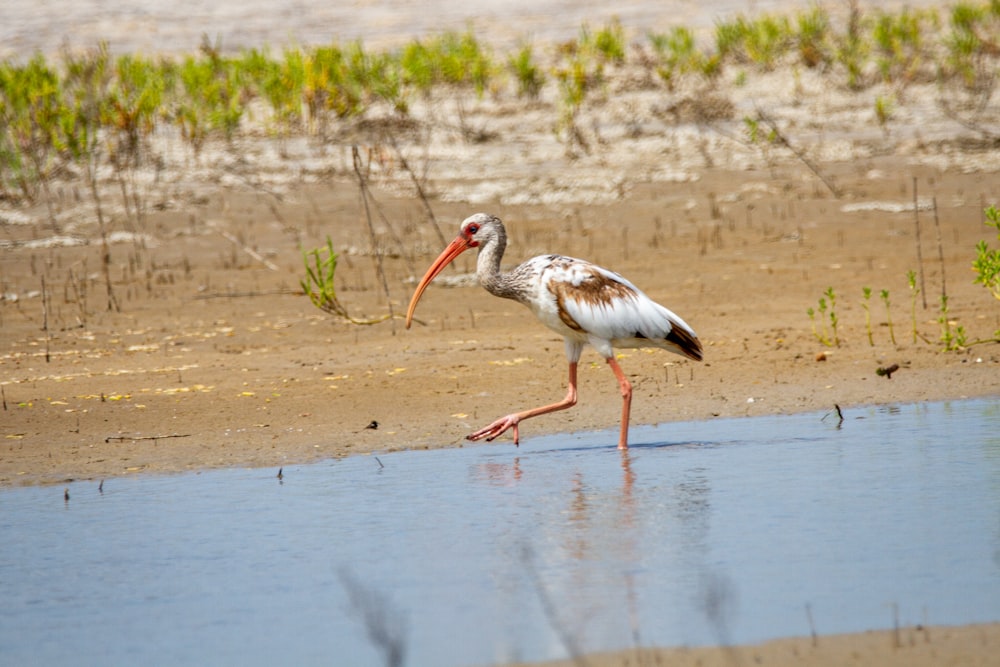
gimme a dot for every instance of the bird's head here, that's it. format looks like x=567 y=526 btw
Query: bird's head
x=476 y=230
x=479 y=228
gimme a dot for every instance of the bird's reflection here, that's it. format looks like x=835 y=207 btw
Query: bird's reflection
x=499 y=474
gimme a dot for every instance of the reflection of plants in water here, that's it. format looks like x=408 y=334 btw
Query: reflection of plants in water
x=384 y=625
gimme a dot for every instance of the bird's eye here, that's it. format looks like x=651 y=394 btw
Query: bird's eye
x=473 y=229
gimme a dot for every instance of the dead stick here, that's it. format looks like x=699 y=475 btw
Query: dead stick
x=416 y=184
x=783 y=140
x=121 y=438
x=45 y=319
x=920 y=254
x=937 y=229
x=243 y=295
x=356 y=155
x=248 y=250
x=403 y=250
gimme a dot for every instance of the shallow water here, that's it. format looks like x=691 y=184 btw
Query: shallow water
x=703 y=533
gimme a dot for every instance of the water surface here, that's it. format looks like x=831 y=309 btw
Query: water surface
x=728 y=531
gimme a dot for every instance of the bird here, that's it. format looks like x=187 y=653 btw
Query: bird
x=582 y=302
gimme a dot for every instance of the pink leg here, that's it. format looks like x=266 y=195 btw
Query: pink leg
x=511 y=421
x=626 y=388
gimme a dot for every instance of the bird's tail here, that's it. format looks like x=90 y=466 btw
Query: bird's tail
x=684 y=342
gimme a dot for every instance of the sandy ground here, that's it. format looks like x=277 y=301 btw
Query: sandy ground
x=972 y=645
x=218 y=360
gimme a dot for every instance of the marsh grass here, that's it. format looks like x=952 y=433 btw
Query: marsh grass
x=211 y=95
x=678 y=55
x=528 y=74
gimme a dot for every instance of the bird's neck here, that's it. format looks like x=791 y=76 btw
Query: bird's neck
x=488 y=271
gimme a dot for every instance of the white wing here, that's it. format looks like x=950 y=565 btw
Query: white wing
x=588 y=303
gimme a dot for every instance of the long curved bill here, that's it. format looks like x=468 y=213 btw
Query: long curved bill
x=454 y=249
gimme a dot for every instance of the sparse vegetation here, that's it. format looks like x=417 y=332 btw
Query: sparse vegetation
x=866 y=292
x=528 y=74
x=952 y=339
x=92 y=113
x=884 y=294
x=827 y=310
x=833 y=315
x=318 y=285
x=580 y=70
x=911 y=281
x=210 y=95
x=987 y=262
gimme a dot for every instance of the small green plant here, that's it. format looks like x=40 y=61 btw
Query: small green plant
x=329 y=90
x=888 y=314
x=953 y=340
x=826 y=311
x=318 y=285
x=819 y=333
x=210 y=101
x=852 y=49
x=530 y=78
x=898 y=39
x=759 y=134
x=608 y=41
x=761 y=41
x=812 y=37
x=972 y=45
x=911 y=280
x=883 y=111
x=987 y=262
x=453 y=58
x=131 y=109
x=677 y=55
x=833 y=315
x=31 y=114
x=866 y=292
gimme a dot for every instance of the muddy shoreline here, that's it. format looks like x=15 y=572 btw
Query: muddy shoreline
x=217 y=359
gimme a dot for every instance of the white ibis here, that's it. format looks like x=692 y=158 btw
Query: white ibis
x=580 y=301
